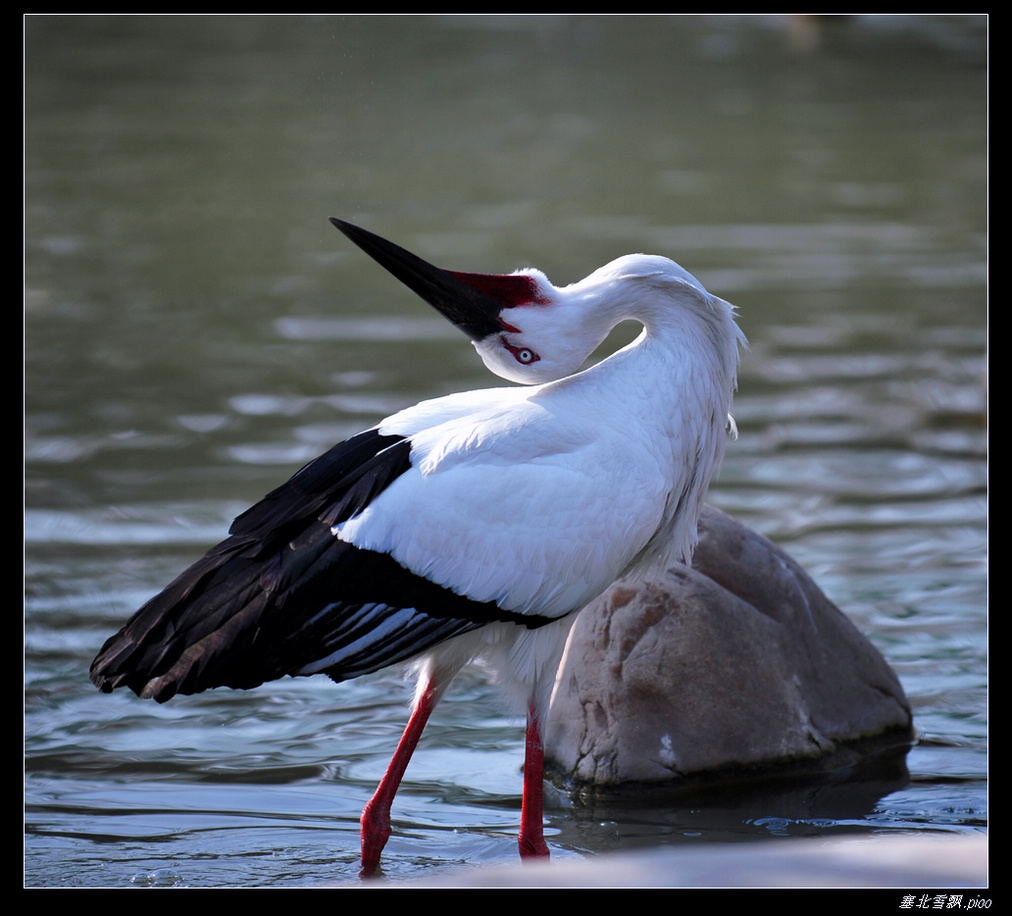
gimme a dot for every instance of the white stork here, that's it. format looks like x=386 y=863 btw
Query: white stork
x=469 y=527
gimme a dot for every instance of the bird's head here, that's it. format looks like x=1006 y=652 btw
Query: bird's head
x=524 y=328
x=516 y=322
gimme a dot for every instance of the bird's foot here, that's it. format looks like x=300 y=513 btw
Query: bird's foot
x=375 y=824
x=533 y=847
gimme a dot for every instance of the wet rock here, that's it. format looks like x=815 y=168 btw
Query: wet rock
x=738 y=667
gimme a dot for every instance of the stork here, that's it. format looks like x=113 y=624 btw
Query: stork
x=468 y=527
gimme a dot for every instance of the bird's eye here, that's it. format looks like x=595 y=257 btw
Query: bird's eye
x=523 y=355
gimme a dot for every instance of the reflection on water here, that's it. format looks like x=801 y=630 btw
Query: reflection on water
x=195 y=330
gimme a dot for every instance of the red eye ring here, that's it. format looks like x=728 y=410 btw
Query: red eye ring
x=523 y=355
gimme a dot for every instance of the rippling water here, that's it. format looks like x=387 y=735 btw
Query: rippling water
x=195 y=330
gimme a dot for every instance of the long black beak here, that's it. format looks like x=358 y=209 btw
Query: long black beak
x=475 y=313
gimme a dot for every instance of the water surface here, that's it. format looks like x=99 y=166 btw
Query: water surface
x=195 y=330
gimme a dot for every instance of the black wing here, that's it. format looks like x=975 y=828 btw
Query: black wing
x=283 y=595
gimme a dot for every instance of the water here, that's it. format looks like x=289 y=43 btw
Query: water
x=195 y=330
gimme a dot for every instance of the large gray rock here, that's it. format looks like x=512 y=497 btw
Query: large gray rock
x=737 y=666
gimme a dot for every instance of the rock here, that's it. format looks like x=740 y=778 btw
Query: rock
x=738 y=667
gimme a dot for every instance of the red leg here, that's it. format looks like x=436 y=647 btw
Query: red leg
x=532 y=831
x=375 y=819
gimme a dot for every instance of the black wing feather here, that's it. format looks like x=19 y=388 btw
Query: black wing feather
x=282 y=595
